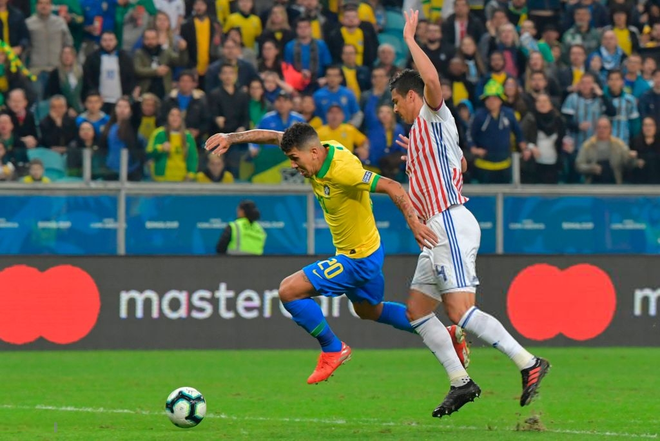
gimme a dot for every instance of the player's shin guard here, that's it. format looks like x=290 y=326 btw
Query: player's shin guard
x=437 y=339
x=489 y=329
x=308 y=315
x=394 y=314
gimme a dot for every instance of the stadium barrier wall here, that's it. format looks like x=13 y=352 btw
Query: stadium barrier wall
x=184 y=219
x=84 y=303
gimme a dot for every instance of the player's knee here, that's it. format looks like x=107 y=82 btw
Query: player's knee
x=366 y=312
x=414 y=311
x=287 y=291
x=455 y=312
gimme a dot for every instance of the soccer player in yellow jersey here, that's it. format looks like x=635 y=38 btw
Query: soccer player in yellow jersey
x=342 y=188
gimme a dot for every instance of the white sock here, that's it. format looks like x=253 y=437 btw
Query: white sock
x=437 y=339
x=489 y=329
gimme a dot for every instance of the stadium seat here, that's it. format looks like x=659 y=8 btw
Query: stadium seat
x=41 y=109
x=70 y=179
x=54 y=163
x=399 y=47
x=394 y=22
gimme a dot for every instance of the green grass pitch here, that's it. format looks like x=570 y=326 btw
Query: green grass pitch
x=590 y=394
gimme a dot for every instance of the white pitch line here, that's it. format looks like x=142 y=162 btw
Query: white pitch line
x=223 y=416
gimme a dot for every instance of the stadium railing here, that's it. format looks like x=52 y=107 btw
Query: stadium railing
x=123 y=188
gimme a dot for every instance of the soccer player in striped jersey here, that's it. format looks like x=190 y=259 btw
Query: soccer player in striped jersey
x=446 y=272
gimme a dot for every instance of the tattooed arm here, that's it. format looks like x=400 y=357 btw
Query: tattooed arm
x=220 y=142
x=424 y=236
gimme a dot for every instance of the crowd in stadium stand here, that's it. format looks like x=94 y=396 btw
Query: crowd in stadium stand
x=573 y=86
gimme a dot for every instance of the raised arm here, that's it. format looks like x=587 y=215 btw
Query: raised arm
x=432 y=88
x=424 y=236
x=220 y=142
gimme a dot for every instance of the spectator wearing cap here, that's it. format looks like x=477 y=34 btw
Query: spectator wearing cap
x=13 y=29
x=496 y=72
x=244 y=236
x=334 y=93
x=490 y=140
x=110 y=71
x=200 y=32
x=36 y=173
x=192 y=102
x=279 y=119
x=248 y=23
x=346 y=134
x=359 y=34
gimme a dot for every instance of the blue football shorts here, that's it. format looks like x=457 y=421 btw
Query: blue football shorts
x=360 y=279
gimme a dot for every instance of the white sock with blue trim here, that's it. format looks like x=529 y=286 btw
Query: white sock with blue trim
x=436 y=337
x=489 y=329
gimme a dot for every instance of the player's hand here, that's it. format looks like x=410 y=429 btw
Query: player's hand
x=424 y=236
x=403 y=142
x=218 y=144
x=410 y=28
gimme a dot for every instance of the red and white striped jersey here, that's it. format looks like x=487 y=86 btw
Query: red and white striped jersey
x=434 y=162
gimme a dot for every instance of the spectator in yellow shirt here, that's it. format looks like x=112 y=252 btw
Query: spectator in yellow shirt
x=248 y=23
x=215 y=171
x=307 y=110
x=346 y=134
x=173 y=150
x=36 y=173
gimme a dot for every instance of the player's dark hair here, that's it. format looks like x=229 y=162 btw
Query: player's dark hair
x=615 y=72
x=297 y=136
x=250 y=209
x=407 y=80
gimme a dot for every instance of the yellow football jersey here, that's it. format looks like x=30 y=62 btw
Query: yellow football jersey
x=342 y=188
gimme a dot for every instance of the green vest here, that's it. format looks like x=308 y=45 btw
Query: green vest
x=246 y=238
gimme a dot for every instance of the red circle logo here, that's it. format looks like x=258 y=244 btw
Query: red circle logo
x=578 y=302
x=61 y=304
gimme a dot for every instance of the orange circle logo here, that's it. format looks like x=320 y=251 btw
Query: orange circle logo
x=578 y=302
x=61 y=304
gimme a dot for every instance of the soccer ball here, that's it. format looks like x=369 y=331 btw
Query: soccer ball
x=185 y=407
